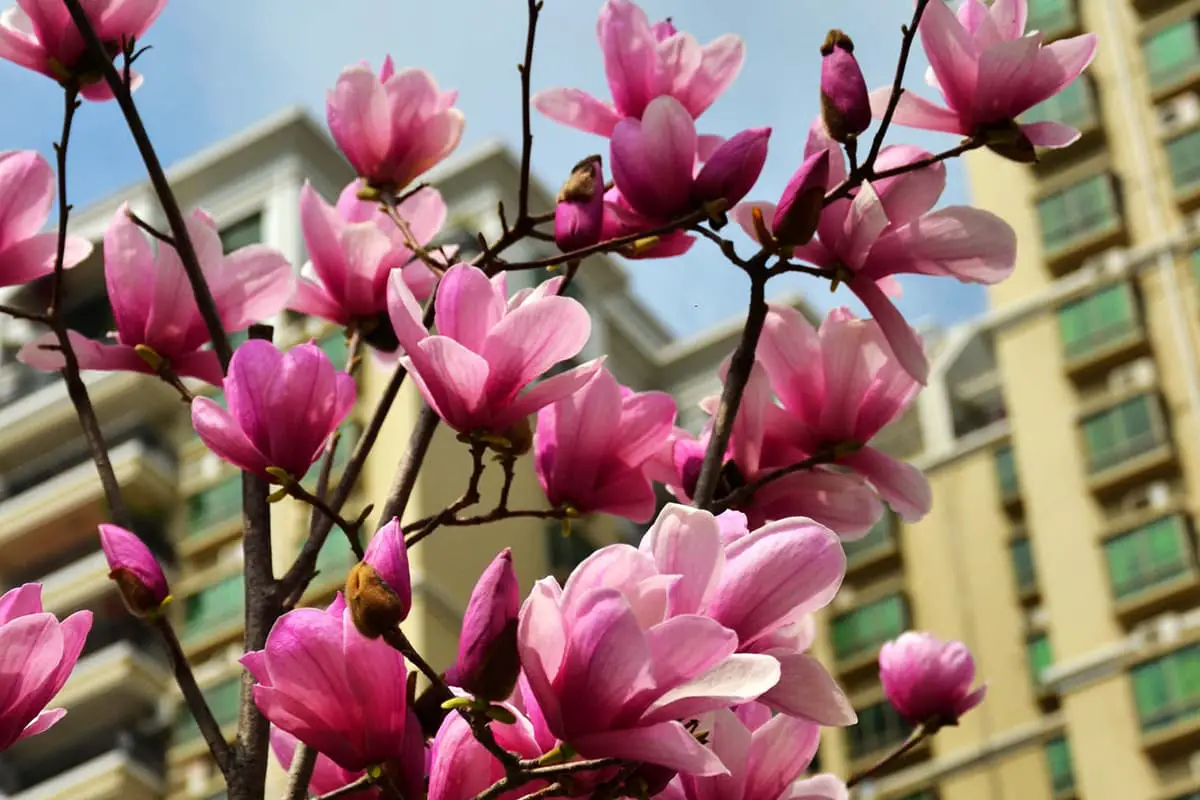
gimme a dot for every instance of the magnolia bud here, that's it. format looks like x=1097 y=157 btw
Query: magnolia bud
x=379 y=588
x=488 y=663
x=135 y=570
x=802 y=200
x=927 y=680
x=845 y=103
x=579 y=215
x=731 y=172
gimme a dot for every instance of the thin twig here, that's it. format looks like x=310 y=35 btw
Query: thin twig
x=495 y=515
x=746 y=492
x=360 y=785
x=165 y=238
x=910 y=33
x=470 y=497
x=915 y=738
x=527 y=774
x=846 y=187
x=535 y=8
x=391 y=208
x=158 y=179
x=304 y=761
x=727 y=247
x=20 y=313
x=205 y=721
x=349 y=527
x=607 y=245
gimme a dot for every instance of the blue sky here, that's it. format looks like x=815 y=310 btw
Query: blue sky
x=218 y=66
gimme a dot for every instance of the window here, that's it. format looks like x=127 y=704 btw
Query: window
x=878 y=537
x=1183 y=158
x=1172 y=53
x=863 y=629
x=1077 y=212
x=1145 y=557
x=879 y=727
x=1037 y=649
x=242 y=233
x=1051 y=16
x=566 y=549
x=1006 y=471
x=1167 y=690
x=1021 y=553
x=223 y=698
x=334 y=345
x=1074 y=106
x=217 y=504
x=214 y=606
x=1091 y=323
x=1058 y=760
x=336 y=557
x=1120 y=433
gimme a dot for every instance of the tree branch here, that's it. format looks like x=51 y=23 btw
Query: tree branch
x=360 y=785
x=910 y=33
x=410 y=465
x=606 y=246
x=205 y=721
x=304 y=761
x=915 y=738
x=744 y=493
x=535 y=8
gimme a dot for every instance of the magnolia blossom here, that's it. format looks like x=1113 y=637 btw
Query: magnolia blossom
x=475 y=371
x=353 y=248
x=392 y=127
x=462 y=768
x=37 y=654
x=845 y=105
x=590 y=447
x=40 y=35
x=885 y=230
x=327 y=776
x=989 y=72
x=155 y=309
x=839 y=387
x=579 y=213
x=488 y=663
x=27 y=186
x=928 y=680
x=311 y=677
x=642 y=62
x=135 y=570
x=282 y=409
x=765 y=759
x=621 y=220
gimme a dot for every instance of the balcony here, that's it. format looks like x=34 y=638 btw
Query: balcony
x=1100 y=331
x=212 y=614
x=1172 y=56
x=1126 y=444
x=875 y=552
x=1152 y=568
x=1079 y=221
x=1055 y=19
x=1040 y=657
x=224 y=700
x=1024 y=570
x=53 y=506
x=122 y=763
x=1008 y=487
x=1183 y=160
x=858 y=634
x=1167 y=697
x=213 y=516
x=1062 y=772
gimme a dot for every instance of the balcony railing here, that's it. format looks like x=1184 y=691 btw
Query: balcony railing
x=18 y=775
x=1096 y=340
x=1099 y=461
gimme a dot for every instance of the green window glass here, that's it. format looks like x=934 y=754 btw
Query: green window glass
x=223 y=698
x=1147 y=556
x=1172 y=53
x=1037 y=649
x=334 y=346
x=1093 y=322
x=241 y=233
x=214 y=606
x=336 y=557
x=879 y=727
x=1058 y=761
x=1074 y=106
x=1021 y=554
x=1077 y=212
x=1167 y=690
x=879 y=536
x=217 y=504
x=1006 y=471
x=1183 y=158
x=1050 y=16
x=1120 y=433
x=863 y=629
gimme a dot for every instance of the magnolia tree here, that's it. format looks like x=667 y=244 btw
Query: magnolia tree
x=677 y=668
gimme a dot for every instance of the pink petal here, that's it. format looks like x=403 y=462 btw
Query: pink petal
x=43 y=353
x=1009 y=17
x=686 y=542
x=685 y=646
x=652 y=160
x=529 y=341
x=779 y=752
x=74 y=629
x=31 y=651
x=43 y=722
x=254 y=284
x=36 y=256
x=807 y=690
x=790 y=354
x=21 y=601
x=1034 y=76
x=19 y=44
x=903 y=340
x=1050 y=134
x=452 y=379
x=468 y=308
x=404 y=312
x=28 y=192
x=915 y=111
x=311 y=298
x=821 y=787
x=721 y=61
x=706 y=145
x=743 y=215
x=906 y=197
x=966 y=243
x=738 y=679
x=842 y=502
x=359 y=118
x=902 y=485
x=575 y=434
x=733 y=169
x=1007 y=84
x=577 y=109
x=647 y=419
x=667 y=744
x=541 y=640
x=217 y=429
x=865 y=221
x=321 y=224
x=952 y=55
x=630 y=49
x=549 y=390
x=130 y=275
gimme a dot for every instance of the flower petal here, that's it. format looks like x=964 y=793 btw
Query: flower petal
x=577 y=109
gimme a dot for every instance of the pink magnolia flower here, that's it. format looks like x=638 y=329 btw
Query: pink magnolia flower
x=579 y=213
x=763 y=585
x=155 y=309
x=654 y=162
x=282 y=408
x=135 y=570
x=353 y=248
x=642 y=62
x=928 y=680
x=590 y=448
x=845 y=105
x=839 y=387
x=27 y=186
x=799 y=209
x=612 y=672
x=989 y=72
x=37 y=654
x=488 y=664
x=327 y=776
x=885 y=230
x=311 y=675
x=392 y=127
x=475 y=370
x=621 y=220
x=765 y=762
x=462 y=768
x=40 y=35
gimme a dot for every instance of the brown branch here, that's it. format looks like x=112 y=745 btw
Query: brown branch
x=158 y=179
x=535 y=8
x=746 y=492
x=205 y=721
x=495 y=515
x=910 y=33
x=349 y=527
x=607 y=245
x=405 y=480
x=165 y=238
x=20 y=313
x=360 y=785
x=915 y=738
x=304 y=761
x=391 y=208
x=525 y=775
x=846 y=187
x=469 y=498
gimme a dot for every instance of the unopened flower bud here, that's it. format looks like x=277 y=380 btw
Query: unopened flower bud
x=379 y=588
x=845 y=103
x=927 y=680
x=731 y=172
x=579 y=215
x=803 y=198
x=135 y=570
x=488 y=662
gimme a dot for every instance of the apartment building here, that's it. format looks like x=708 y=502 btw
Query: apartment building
x=126 y=735
x=1060 y=434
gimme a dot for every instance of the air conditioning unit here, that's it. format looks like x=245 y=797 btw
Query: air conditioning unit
x=1156 y=496
x=1138 y=375
x=1179 y=112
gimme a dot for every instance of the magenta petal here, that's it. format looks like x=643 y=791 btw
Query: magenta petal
x=667 y=744
x=43 y=722
x=780 y=750
x=915 y=111
x=468 y=306
x=731 y=172
x=652 y=159
x=807 y=690
x=903 y=340
x=577 y=109
x=21 y=602
x=1050 y=134
x=217 y=429
x=902 y=485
